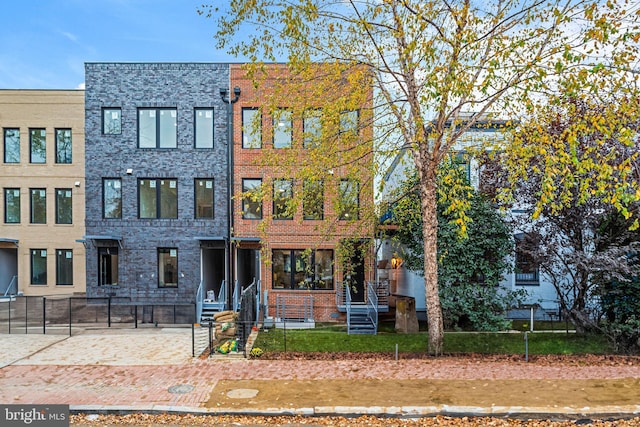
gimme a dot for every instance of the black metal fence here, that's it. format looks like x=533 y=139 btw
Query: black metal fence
x=49 y=315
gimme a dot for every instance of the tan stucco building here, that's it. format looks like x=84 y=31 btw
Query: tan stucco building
x=42 y=192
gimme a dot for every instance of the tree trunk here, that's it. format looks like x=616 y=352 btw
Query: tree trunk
x=430 y=240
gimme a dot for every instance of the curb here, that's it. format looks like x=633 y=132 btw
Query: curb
x=615 y=412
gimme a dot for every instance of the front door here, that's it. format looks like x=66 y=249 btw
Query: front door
x=355 y=276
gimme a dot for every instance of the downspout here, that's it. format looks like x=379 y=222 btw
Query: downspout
x=224 y=94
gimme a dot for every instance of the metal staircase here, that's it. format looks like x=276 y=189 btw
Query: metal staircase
x=362 y=318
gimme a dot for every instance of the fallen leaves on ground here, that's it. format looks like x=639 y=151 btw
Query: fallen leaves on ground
x=153 y=420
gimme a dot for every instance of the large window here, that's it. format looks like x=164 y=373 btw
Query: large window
x=167 y=267
x=63 y=146
x=251 y=128
x=12 y=205
x=38 y=206
x=157 y=127
x=12 y=145
x=282 y=195
x=312 y=199
x=37 y=146
x=302 y=269
x=312 y=128
x=112 y=198
x=38 y=266
x=64 y=267
x=349 y=200
x=527 y=272
x=204 y=198
x=111 y=121
x=282 y=129
x=107 y=266
x=204 y=127
x=252 y=199
x=158 y=198
x=64 y=206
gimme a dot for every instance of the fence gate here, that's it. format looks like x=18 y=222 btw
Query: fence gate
x=247 y=314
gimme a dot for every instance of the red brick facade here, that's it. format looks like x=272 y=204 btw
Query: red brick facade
x=295 y=233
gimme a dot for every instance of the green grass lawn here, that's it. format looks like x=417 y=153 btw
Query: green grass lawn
x=334 y=338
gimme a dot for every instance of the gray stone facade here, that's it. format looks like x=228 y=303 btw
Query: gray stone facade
x=130 y=86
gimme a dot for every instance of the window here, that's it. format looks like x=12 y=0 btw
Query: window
x=312 y=199
x=282 y=129
x=37 y=146
x=312 y=128
x=111 y=121
x=252 y=199
x=38 y=266
x=108 y=266
x=38 y=206
x=348 y=202
x=282 y=195
x=302 y=269
x=12 y=205
x=157 y=128
x=251 y=128
x=12 y=145
x=158 y=198
x=349 y=122
x=204 y=127
x=527 y=272
x=112 y=198
x=167 y=267
x=64 y=267
x=64 y=206
x=63 y=146
x=204 y=198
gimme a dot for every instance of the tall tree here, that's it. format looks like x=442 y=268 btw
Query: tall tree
x=433 y=60
x=574 y=173
x=470 y=266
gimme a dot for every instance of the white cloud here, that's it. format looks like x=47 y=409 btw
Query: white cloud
x=80 y=86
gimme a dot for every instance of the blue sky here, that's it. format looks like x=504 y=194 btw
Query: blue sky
x=45 y=43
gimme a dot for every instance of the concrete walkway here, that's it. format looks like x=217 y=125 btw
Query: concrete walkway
x=152 y=370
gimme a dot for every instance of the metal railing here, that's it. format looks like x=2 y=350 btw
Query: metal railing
x=13 y=284
x=372 y=304
x=199 y=301
x=300 y=311
x=37 y=314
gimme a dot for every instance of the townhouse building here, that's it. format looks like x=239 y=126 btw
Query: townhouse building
x=157 y=172
x=295 y=210
x=43 y=192
x=525 y=274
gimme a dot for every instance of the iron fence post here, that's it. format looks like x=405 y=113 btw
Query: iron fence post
x=109 y=312
x=44 y=315
x=9 y=314
x=70 y=316
x=135 y=315
x=26 y=315
x=193 y=340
